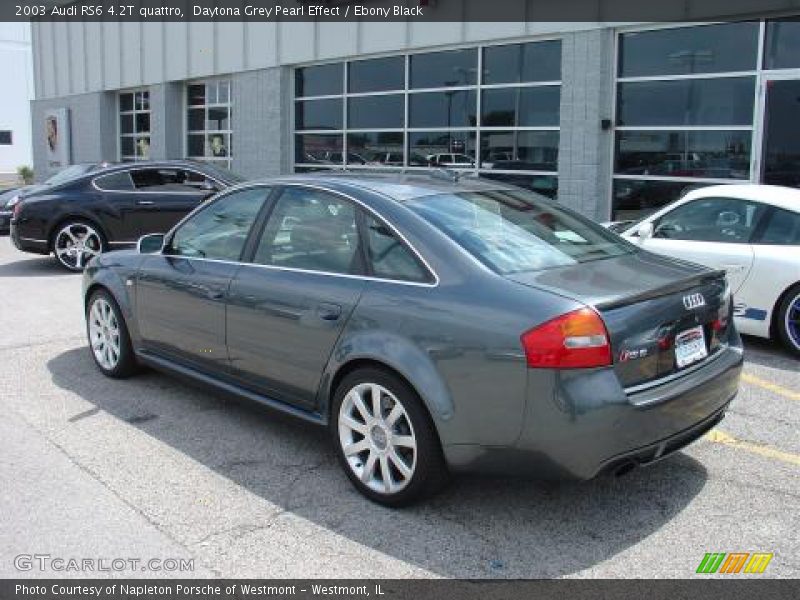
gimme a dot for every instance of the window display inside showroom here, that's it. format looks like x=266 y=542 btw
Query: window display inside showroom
x=491 y=109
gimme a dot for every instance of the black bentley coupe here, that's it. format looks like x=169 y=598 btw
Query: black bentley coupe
x=111 y=207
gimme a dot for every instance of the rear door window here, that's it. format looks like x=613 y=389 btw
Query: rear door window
x=388 y=257
x=115 y=182
x=311 y=230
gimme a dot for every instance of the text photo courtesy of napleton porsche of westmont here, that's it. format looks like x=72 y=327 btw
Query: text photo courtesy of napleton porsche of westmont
x=404 y=298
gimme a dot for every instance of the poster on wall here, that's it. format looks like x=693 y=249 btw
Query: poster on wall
x=56 y=128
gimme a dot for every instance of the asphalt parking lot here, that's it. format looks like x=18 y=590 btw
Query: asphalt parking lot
x=155 y=468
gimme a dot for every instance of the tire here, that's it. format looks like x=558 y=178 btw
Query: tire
x=75 y=242
x=788 y=320
x=109 y=341
x=401 y=443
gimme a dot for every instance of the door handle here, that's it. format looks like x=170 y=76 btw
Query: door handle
x=145 y=202
x=329 y=312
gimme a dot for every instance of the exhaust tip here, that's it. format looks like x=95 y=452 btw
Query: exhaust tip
x=624 y=468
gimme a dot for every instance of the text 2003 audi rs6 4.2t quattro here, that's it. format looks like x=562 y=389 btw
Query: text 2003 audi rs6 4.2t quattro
x=433 y=325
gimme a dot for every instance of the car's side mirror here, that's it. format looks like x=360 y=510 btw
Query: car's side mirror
x=645 y=231
x=150 y=244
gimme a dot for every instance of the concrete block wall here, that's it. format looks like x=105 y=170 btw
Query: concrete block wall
x=261 y=127
x=93 y=129
x=587 y=97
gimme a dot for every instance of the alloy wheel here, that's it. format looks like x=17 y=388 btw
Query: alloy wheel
x=377 y=438
x=104 y=334
x=792 y=321
x=76 y=244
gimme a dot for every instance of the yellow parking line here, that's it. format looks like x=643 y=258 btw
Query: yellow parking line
x=720 y=437
x=769 y=386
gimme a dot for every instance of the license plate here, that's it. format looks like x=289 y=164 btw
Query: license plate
x=690 y=346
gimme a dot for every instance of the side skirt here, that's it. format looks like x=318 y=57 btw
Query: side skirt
x=173 y=368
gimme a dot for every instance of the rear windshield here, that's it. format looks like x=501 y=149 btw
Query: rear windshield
x=513 y=230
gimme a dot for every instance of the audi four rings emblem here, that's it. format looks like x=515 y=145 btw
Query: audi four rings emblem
x=691 y=301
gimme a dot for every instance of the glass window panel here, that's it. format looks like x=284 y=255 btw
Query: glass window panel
x=127 y=146
x=126 y=124
x=196 y=145
x=717 y=154
x=319 y=148
x=311 y=230
x=376 y=75
x=125 y=102
x=143 y=147
x=321 y=80
x=727 y=101
x=783 y=229
x=318 y=114
x=441 y=148
x=196 y=118
x=368 y=112
x=444 y=69
x=519 y=150
x=143 y=122
x=218 y=118
x=637 y=198
x=196 y=94
x=685 y=50
x=223 y=92
x=119 y=181
x=142 y=100
x=220 y=230
x=509 y=107
x=388 y=256
x=442 y=109
x=376 y=148
x=217 y=145
x=782 y=49
x=546 y=185
x=537 y=61
x=729 y=220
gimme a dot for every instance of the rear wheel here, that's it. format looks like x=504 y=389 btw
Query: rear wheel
x=788 y=324
x=109 y=340
x=76 y=243
x=385 y=439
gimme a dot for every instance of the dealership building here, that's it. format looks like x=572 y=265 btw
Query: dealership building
x=613 y=119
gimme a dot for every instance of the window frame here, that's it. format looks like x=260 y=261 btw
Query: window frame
x=226 y=161
x=135 y=135
x=257 y=231
x=407 y=91
x=762 y=74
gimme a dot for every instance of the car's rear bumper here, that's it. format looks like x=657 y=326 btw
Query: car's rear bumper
x=28 y=244
x=579 y=424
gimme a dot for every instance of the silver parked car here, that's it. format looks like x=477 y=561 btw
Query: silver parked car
x=433 y=325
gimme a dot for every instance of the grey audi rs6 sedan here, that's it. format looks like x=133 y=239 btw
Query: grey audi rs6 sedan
x=432 y=324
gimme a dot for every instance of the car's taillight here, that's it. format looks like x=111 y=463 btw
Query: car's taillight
x=575 y=340
x=17 y=209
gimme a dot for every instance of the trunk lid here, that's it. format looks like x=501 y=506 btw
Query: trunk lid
x=663 y=315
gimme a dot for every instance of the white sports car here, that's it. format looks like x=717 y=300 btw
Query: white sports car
x=752 y=232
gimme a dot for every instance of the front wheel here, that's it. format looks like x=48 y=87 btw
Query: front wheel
x=385 y=438
x=76 y=243
x=108 y=335
x=789 y=320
